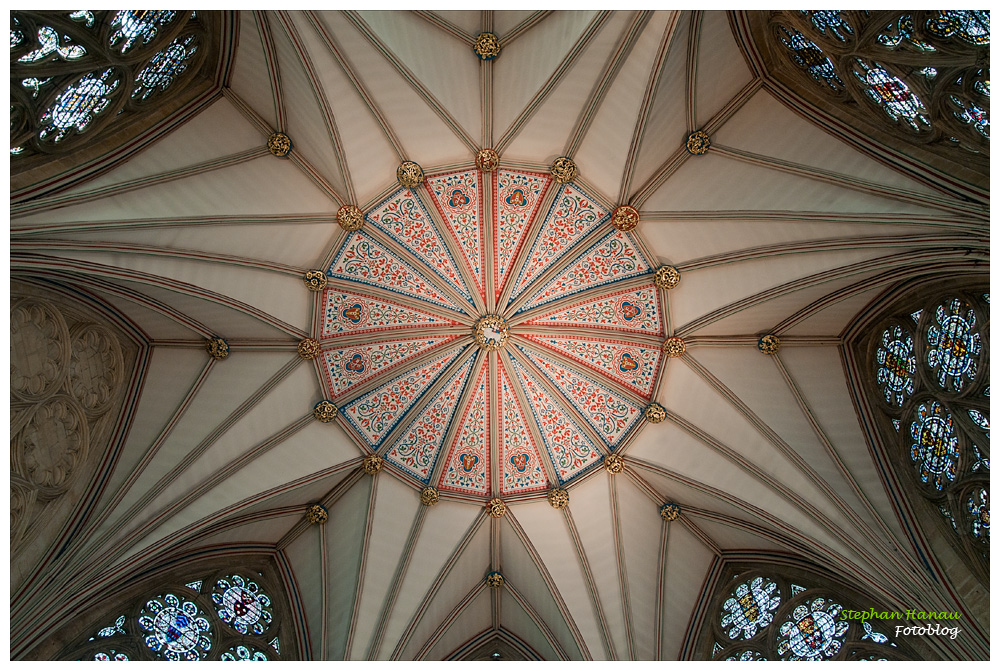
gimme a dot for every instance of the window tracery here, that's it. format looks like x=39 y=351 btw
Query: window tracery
x=78 y=77
x=928 y=363
x=925 y=74
x=227 y=616
x=781 y=613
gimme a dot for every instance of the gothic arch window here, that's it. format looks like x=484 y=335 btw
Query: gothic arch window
x=221 y=615
x=779 y=612
x=918 y=81
x=927 y=383
x=86 y=79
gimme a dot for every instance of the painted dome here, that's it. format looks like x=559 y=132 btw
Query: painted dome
x=497 y=378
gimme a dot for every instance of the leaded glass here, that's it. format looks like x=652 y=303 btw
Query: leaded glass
x=242 y=605
x=948 y=516
x=979 y=462
x=916 y=316
x=750 y=607
x=48 y=38
x=983 y=86
x=243 y=653
x=16 y=35
x=15 y=151
x=162 y=68
x=928 y=72
x=971 y=26
x=899 y=31
x=131 y=26
x=896 y=365
x=872 y=634
x=747 y=656
x=716 y=649
x=276 y=645
x=978 y=505
x=117 y=628
x=896 y=424
x=808 y=56
x=812 y=631
x=953 y=344
x=832 y=21
x=981 y=420
x=178 y=629
x=935 y=446
x=84 y=16
x=110 y=656
x=969 y=113
x=196 y=585
x=893 y=96
x=34 y=83
x=78 y=105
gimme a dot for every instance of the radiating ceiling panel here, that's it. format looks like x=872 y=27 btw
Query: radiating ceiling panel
x=250 y=78
x=721 y=70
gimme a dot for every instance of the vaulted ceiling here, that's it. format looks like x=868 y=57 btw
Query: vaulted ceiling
x=780 y=227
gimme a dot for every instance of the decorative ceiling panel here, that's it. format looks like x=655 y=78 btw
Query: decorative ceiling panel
x=483 y=419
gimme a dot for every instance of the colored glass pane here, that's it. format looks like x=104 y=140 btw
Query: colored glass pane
x=33 y=84
x=164 y=67
x=978 y=462
x=969 y=113
x=196 y=585
x=970 y=26
x=893 y=96
x=871 y=634
x=110 y=656
x=48 y=40
x=896 y=365
x=916 y=316
x=831 y=21
x=15 y=151
x=901 y=30
x=750 y=607
x=948 y=516
x=896 y=424
x=243 y=653
x=934 y=449
x=747 y=656
x=981 y=420
x=808 y=56
x=953 y=345
x=983 y=86
x=242 y=605
x=812 y=632
x=77 y=106
x=177 y=629
x=978 y=507
x=137 y=26
x=276 y=645
x=928 y=72
x=16 y=35
x=117 y=628
x=83 y=16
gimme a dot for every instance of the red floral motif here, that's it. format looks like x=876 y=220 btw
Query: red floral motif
x=467 y=466
x=607 y=357
x=516 y=196
x=516 y=442
x=373 y=314
x=456 y=197
x=347 y=367
x=606 y=312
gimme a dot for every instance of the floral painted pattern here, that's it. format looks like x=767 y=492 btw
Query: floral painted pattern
x=355 y=312
x=457 y=198
x=417 y=449
x=631 y=365
x=467 y=469
x=516 y=196
x=522 y=464
x=634 y=310
x=350 y=366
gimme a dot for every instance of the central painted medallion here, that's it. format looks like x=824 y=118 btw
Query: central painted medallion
x=491 y=332
x=565 y=317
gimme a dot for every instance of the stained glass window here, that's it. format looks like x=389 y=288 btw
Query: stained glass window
x=893 y=96
x=137 y=26
x=873 y=635
x=16 y=35
x=896 y=365
x=242 y=605
x=969 y=113
x=808 y=56
x=983 y=86
x=916 y=316
x=14 y=151
x=276 y=645
x=34 y=84
x=747 y=656
x=196 y=585
x=953 y=344
x=832 y=21
x=750 y=607
x=928 y=72
x=110 y=656
x=901 y=30
x=161 y=70
x=948 y=516
x=79 y=104
x=177 y=628
x=978 y=505
x=978 y=462
x=48 y=38
x=117 y=628
x=812 y=632
x=971 y=26
x=981 y=420
x=243 y=653
x=895 y=423
x=934 y=447
x=84 y=16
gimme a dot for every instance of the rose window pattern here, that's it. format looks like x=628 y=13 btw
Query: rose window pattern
x=929 y=378
x=228 y=617
x=924 y=74
x=491 y=333
x=769 y=616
